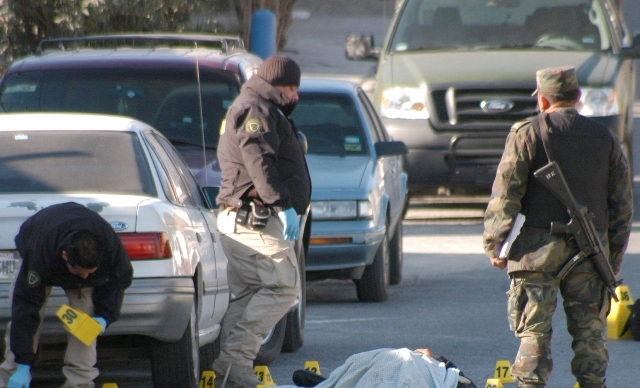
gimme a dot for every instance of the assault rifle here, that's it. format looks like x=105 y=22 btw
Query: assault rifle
x=580 y=226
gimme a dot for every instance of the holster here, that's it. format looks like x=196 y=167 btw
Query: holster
x=253 y=215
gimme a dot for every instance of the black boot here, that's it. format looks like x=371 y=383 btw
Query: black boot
x=305 y=378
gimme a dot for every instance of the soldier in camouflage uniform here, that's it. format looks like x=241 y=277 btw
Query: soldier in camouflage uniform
x=598 y=176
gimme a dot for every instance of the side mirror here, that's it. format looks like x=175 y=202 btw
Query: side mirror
x=360 y=47
x=209 y=193
x=632 y=52
x=303 y=142
x=388 y=148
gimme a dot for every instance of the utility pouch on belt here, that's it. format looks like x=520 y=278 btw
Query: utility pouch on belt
x=243 y=214
x=253 y=215
x=258 y=216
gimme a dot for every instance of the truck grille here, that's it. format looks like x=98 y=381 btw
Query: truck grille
x=470 y=108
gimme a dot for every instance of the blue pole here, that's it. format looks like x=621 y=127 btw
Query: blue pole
x=262 y=39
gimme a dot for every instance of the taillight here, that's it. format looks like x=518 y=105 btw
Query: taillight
x=145 y=246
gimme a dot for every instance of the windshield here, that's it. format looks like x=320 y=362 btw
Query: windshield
x=73 y=162
x=486 y=24
x=331 y=124
x=167 y=99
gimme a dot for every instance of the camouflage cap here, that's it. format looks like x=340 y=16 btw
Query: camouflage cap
x=556 y=80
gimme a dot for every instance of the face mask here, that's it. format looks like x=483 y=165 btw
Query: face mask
x=288 y=108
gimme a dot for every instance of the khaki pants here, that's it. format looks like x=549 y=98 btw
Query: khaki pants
x=79 y=361
x=263 y=282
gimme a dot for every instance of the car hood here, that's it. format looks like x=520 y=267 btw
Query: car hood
x=336 y=173
x=495 y=66
x=120 y=210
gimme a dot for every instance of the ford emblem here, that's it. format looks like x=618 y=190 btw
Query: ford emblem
x=496 y=106
x=118 y=225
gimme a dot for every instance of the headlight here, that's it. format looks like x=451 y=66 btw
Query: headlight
x=597 y=102
x=404 y=103
x=341 y=210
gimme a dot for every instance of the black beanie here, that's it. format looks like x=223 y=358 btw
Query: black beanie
x=279 y=70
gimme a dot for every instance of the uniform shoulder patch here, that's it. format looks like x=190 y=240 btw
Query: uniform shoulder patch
x=253 y=125
x=33 y=279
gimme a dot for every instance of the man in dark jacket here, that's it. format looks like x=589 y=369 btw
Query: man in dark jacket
x=69 y=246
x=597 y=174
x=263 y=168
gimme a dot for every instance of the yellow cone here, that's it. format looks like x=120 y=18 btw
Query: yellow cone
x=493 y=383
x=312 y=366
x=109 y=385
x=207 y=379
x=503 y=371
x=618 y=319
x=262 y=371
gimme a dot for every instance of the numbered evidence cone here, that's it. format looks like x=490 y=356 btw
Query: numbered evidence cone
x=109 y=385
x=312 y=366
x=493 y=383
x=262 y=371
x=618 y=319
x=79 y=324
x=503 y=371
x=207 y=379
x=577 y=385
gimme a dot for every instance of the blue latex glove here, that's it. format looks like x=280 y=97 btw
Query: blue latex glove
x=20 y=379
x=102 y=323
x=291 y=225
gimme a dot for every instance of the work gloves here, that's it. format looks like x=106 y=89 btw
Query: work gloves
x=102 y=323
x=20 y=379
x=291 y=225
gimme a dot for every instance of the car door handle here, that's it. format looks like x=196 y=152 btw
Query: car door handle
x=199 y=237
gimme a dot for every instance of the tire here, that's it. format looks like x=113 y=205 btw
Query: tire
x=294 y=332
x=373 y=286
x=176 y=364
x=395 y=256
x=271 y=344
x=208 y=353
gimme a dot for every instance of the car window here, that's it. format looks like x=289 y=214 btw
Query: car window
x=183 y=169
x=180 y=191
x=74 y=162
x=556 y=24
x=331 y=123
x=373 y=118
x=167 y=99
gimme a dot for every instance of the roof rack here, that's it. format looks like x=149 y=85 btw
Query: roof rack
x=225 y=43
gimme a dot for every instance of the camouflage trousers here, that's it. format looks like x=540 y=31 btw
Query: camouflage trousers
x=532 y=303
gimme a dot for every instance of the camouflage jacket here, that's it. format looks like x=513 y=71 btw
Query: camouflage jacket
x=536 y=249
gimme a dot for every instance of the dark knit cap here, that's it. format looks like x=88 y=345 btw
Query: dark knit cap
x=279 y=70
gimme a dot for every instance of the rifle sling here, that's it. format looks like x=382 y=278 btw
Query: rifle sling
x=544 y=134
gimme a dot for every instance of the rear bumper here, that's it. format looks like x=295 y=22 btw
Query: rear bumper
x=158 y=308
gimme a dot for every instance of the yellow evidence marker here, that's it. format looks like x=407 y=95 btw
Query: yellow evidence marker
x=262 y=371
x=312 y=366
x=503 y=371
x=577 y=385
x=493 y=383
x=617 y=321
x=207 y=379
x=79 y=324
x=109 y=385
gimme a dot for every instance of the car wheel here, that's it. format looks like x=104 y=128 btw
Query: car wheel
x=395 y=256
x=176 y=364
x=373 y=286
x=271 y=344
x=208 y=353
x=294 y=332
